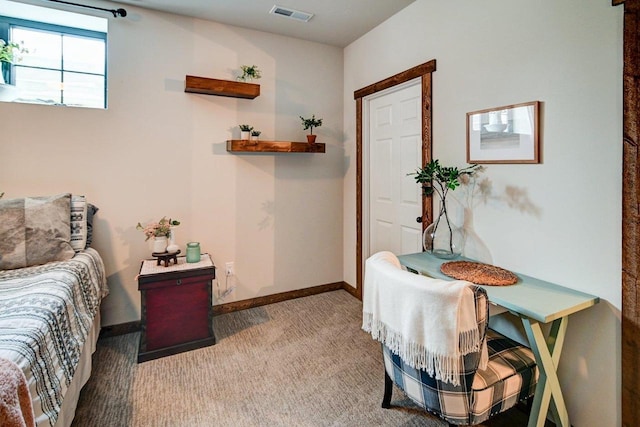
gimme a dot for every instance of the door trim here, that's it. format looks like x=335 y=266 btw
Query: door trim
x=630 y=323
x=424 y=72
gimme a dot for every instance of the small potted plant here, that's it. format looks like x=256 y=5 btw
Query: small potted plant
x=310 y=124
x=255 y=134
x=9 y=53
x=249 y=72
x=244 y=131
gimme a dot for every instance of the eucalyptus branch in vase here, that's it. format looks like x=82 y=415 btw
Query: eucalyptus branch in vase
x=435 y=178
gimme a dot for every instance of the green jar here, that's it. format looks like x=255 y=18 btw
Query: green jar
x=193 y=252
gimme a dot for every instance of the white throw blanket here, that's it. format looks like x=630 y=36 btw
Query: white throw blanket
x=428 y=322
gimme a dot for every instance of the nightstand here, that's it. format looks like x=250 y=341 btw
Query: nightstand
x=177 y=307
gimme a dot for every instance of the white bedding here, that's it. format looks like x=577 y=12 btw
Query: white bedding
x=80 y=378
x=47 y=314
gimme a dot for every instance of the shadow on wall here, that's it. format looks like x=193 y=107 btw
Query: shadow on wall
x=268 y=207
x=518 y=198
x=477 y=190
x=119 y=301
x=474 y=246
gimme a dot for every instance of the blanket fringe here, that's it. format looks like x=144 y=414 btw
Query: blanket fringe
x=441 y=367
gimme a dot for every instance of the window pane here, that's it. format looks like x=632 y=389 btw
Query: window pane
x=83 y=90
x=38 y=86
x=82 y=54
x=45 y=49
x=66 y=62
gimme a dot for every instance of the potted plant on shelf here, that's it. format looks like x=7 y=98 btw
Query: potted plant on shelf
x=244 y=131
x=310 y=124
x=254 y=135
x=249 y=72
x=9 y=53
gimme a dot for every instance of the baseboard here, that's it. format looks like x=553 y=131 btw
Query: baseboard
x=119 y=329
x=130 y=327
x=353 y=291
x=271 y=299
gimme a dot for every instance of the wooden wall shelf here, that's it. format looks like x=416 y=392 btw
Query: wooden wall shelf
x=245 y=146
x=228 y=88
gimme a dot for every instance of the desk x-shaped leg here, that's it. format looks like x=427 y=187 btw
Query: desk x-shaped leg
x=547 y=352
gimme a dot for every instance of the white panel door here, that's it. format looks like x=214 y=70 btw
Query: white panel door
x=395 y=149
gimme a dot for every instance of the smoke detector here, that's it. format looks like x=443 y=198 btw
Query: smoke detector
x=286 y=12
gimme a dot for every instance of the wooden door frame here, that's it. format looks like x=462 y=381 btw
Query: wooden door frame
x=630 y=342
x=424 y=72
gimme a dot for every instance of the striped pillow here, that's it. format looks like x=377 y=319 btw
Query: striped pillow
x=78 y=222
x=91 y=211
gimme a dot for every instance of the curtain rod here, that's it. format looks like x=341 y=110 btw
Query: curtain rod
x=115 y=12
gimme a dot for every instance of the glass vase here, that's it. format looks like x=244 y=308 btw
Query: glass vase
x=443 y=238
x=193 y=252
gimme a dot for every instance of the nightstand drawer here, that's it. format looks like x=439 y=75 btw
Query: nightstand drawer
x=174 y=283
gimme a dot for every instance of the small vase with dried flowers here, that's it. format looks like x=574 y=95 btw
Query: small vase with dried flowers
x=160 y=232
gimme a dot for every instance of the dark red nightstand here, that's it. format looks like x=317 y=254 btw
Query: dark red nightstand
x=177 y=307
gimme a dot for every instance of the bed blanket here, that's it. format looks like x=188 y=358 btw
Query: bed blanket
x=46 y=312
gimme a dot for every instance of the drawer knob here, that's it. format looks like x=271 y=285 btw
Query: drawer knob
x=179 y=282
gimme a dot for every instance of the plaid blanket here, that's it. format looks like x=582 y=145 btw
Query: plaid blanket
x=46 y=312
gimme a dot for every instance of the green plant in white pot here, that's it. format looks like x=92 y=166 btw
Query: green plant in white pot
x=9 y=53
x=255 y=134
x=249 y=72
x=311 y=123
x=245 y=131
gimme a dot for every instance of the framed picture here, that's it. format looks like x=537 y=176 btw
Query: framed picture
x=508 y=134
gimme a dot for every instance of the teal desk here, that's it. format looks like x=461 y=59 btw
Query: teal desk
x=535 y=302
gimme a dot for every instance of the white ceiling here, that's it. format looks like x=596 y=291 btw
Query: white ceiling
x=335 y=22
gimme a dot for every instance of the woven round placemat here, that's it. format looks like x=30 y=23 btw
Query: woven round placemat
x=479 y=273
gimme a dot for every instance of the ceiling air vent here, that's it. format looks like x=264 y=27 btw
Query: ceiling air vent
x=291 y=13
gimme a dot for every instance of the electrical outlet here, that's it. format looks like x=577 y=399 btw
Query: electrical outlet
x=229 y=269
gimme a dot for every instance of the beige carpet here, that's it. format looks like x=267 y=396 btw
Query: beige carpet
x=304 y=362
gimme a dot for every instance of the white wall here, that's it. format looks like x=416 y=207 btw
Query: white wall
x=288 y=221
x=559 y=220
x=159 y=151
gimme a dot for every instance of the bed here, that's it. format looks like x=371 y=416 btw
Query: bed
x=49 y=325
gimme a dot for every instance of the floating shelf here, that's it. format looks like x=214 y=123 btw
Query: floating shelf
x=229 y=88
x=245 y=146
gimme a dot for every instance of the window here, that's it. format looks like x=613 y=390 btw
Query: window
x=65 y=65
